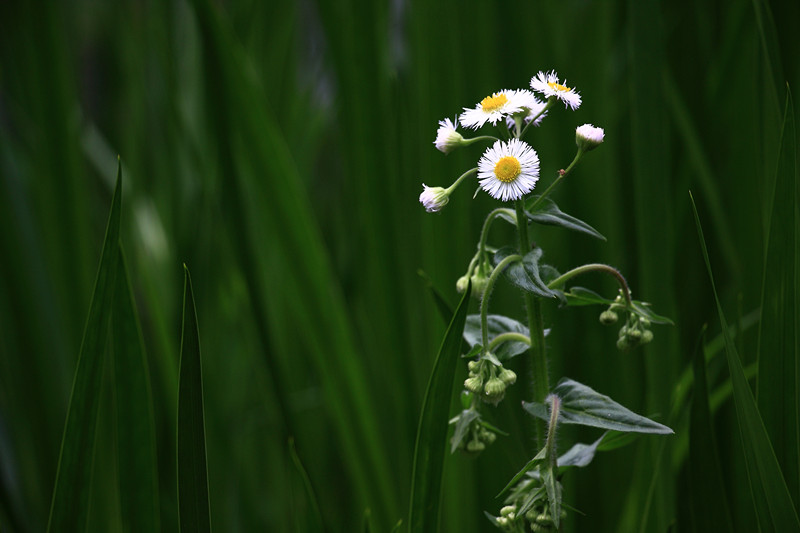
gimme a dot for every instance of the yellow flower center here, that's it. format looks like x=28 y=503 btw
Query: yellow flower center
x=494 y=102
x=558 y=87
x=507 y=169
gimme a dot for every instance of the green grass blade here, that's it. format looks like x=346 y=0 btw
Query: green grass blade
x=777 y=390
x=707 y=501
x=136 y=448
x=69 y=507
x=429 y=451
x=194 y=512
x=316 y=515
x=774 y=505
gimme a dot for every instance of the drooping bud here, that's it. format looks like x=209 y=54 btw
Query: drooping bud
x=434 y=198
x=507 y=376
x=474 y=384
x=608 y=317
x=461 y=284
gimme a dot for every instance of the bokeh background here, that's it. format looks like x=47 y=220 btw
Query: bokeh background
x=278 y=149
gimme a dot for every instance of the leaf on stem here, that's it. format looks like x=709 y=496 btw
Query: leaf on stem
x=584 y=406
x=548 y=213
x=498 y=324
x=525 y=274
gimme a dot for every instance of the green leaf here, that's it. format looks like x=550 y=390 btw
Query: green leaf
x=582 y=405
x=580 y=454
x=311 y=495
x=548 y=213
x=525 y=274
x=707 y=501
x=136 y=441
x=581 y=296
x=553 y=488
x=429 y=450
x=778 y=390
x=537 y=460
x=497 y=324
x=69 y=506
x=194 y=513
x=462 y=422
x=774 y=506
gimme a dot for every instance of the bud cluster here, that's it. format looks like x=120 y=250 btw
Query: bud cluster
x=488 y=380
x=636 y=330
x=538 y=518
x=479 y=275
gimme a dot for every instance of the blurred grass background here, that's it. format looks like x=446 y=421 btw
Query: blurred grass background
x=278 y=149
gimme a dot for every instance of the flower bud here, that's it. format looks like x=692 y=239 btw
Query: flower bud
x=647 y=336
x=507 y=376
x=623 y=344
x=608 y=317
x=635 y=334
x=461 y=284
x=508 y=510
x=474 y=384
x=494 y=390
x=473 y=366
x=502 y=521
x=479 y=284
x=447 y=138
x=588 y=137
x=434 y=198
x=475 y=446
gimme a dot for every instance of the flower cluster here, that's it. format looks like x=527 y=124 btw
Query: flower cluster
x=489 y=380
x=509 y=169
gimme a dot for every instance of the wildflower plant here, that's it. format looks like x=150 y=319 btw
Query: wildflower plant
x=509 y=171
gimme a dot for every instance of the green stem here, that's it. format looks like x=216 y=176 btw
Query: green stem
x=561 y=175
x=461 y=178
x=594 y=267
x=471 y=140
x=550 y=102
x=488 y=224
x=509 y=336
x=487 y=293
x=540 y=379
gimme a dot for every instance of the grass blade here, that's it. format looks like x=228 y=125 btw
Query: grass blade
x=194 y=512
x=69 y=507
x=774 y=505
x=430 y=447
x=138 y=478
x=777 y=390
x=708 y=503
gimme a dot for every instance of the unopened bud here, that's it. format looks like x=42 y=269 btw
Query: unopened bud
x=647 y=336
x=507 y=376
x=608 y=317
x=474 y=384
x=461 y=284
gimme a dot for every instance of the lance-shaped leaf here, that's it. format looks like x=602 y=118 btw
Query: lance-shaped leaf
x=525 y=274
x=462 y=422
x=497 y=324
x=580 y=454
x=584 y=406
x=548 y=213
x=193 y=508
x=70 y=504
x=429 y=451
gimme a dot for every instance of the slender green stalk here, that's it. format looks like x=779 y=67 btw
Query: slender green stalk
x=540 y=379
x=561 y=175
x=467 y=142
x=594 y=267
x=488 y=224
x=487 y=293
x=508 y=336
x=461 y=178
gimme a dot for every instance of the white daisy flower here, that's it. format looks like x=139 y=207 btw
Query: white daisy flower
x=549 y=85
x=447 y=138
x=434 y=198
x=531 y=107
x=588 y=137
x=492 y=108
x=508 y=170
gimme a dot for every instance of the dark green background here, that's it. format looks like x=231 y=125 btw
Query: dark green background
x=279 y=149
